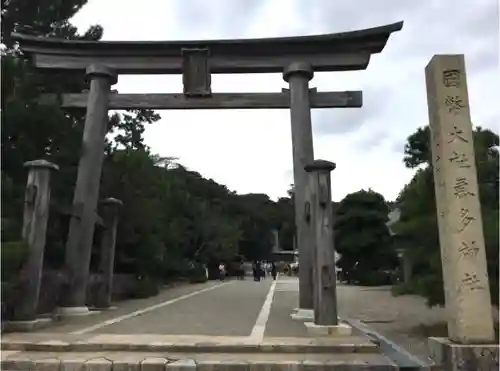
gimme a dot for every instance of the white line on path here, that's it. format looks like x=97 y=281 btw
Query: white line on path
x=259 y=328
x=112 y=321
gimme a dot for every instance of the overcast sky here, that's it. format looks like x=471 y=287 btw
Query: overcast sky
x=250 y=150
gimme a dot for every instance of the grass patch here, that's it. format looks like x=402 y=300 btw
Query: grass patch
x=439 y=329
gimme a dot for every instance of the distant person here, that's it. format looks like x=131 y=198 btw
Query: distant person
x=274 y=271
x=269 y=267
x=255 y=270
x=262 y=270
x=241 y=271
x=222 y=271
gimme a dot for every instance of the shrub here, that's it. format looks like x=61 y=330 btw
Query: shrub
x=374 y=278
x=403 y=289
x=197 y=273
x=174 y=268
x=430 y=286
x=13 y=255
x=145 y=287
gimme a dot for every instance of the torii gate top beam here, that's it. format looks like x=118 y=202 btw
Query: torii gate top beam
x=330 y=52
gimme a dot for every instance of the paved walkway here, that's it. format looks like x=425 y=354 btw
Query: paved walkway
x=252 y=310
x=127 y=310
x=235 y=313
x=229 y=308
x=212 y=325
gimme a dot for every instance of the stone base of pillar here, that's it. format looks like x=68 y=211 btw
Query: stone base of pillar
x=26 y=326
x=303 y=314
x=454 y=357
x=74 y=311
x=342 y=329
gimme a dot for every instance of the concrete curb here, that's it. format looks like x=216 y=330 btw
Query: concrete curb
x=165 y=364
x=404 y=359
x=87 y=346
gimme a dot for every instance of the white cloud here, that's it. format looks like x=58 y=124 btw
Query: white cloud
x=250 y=151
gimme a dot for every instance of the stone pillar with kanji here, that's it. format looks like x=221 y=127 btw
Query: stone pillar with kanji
x=461 y=239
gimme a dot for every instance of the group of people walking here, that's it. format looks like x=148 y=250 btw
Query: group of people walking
x=239 y=271
x=261 y=269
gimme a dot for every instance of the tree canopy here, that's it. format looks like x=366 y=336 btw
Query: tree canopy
x=362 y=237
x=171 y=215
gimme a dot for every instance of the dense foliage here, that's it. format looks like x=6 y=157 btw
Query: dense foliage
x=417 y=230
x=173 y=220
x=363 y=240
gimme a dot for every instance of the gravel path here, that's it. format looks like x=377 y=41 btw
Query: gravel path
x=393 y=317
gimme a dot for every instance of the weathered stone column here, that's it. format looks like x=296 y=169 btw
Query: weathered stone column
x=460 y=223
x=298 y=76
x=81 y=230
x=405 y=264
x=110 y=215
x=407 y=267
x=468 y=302
x=276 y=239
x=324 y=274
x=36 y=215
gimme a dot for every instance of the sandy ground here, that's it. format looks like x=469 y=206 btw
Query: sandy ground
x=393 y=317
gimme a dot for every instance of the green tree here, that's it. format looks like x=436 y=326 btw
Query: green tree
x=171 y=216
x=31 y=130
x=362 y=237
x=417 y=229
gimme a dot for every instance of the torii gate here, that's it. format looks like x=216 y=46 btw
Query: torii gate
x=102 y=61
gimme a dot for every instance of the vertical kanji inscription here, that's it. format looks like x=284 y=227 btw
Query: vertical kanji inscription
x=459 y=214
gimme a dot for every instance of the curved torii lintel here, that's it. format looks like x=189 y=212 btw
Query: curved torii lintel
x=329 y=52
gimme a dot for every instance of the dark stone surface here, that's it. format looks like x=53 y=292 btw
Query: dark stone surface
x=370 y=40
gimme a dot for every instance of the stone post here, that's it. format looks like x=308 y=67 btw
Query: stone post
x=407 y=267
x=405 y=264
x=276 y=239
x=325 y=278
x=298 y=76
x=36 y=215
x=81 y=230
x=110 y=215
x=461 y=239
